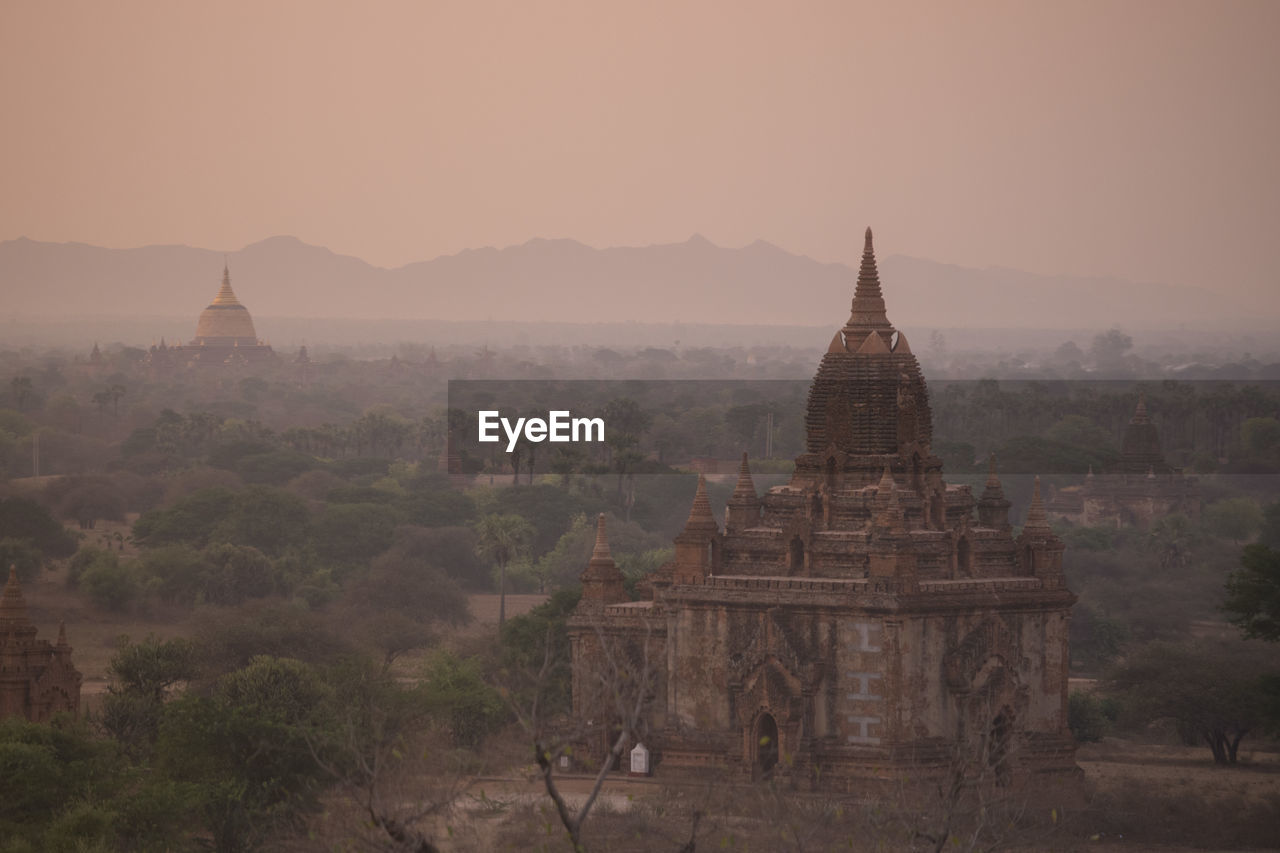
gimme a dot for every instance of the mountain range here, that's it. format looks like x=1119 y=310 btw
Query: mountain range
x=543 y=281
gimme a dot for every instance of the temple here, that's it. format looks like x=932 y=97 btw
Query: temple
x=225 y=337
x=37 y=679
x=863 y=624
x=1139 y=490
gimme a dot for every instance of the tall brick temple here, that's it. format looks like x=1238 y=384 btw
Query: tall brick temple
x=866 y=622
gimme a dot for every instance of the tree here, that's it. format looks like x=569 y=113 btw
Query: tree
x=347 y=535
x=454 y=692
x=1079 y=431
x=89 y=502
x=271 y=520
x=450 y=549
x=190 y=521
x=142 y=674
x=1253 y=594
x=23 y=556
x=619 y=689
x=111 y=584
x=1260 y=436
x=114 y=393
x=380 y=751
x=247 y=747
x=22 y=390
x=626 y=423
x=400 y=599
x=1234 y=518
x=1270 y=533
x=501 y=539
x=1216 y=691
x=1109 y=350
x=25 y=519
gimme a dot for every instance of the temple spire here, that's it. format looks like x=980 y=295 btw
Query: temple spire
x=601 y=551
x=226 y=296
x=868 y=312
x=701 y=523
x=993 y=508
x=13 y=608
x=1036 y=518
x=602 y=582
x=868 y=275
x=994 y=490
x=745 y=491
x=1140 y=415
x=743 y=509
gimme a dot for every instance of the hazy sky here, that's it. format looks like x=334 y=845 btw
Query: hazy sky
x=1138 y=139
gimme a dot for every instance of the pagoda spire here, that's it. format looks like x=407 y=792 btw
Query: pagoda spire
x=601 y=551
x=994 y=489
x=868 y=276
x=226 y=296
x=743 y=510
x=868 y=311
x=13 y=608
x=701 y=521
x=1140 y=415
x=993 y=507
x=1036 y=518
x=602 y=582
x=746 y=488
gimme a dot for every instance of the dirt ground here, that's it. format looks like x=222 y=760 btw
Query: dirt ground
x=1143 y=798
x=484 y=610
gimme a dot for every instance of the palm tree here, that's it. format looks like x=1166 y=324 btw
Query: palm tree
x=115 y=392
x=22 y=390
x=503 y=538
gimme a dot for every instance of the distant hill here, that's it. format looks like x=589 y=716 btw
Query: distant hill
x=539 y=281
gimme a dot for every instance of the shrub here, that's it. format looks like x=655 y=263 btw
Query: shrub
x=1086 y=717
x=111 y=585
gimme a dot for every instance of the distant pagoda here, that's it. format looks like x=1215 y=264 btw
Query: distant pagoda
x=225 y=337
x=1140 y=489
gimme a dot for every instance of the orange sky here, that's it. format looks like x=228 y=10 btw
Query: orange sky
x=1138 y=139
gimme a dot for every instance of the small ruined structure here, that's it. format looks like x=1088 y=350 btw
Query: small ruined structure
x=864 y=624
x=37 y=679
x=225 y=337
x=1141 y=489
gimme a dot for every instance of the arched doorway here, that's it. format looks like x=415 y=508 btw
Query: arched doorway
x=998 y=746
x=766 y=745
x=796 y=556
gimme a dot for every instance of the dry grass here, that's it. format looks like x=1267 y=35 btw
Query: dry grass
x=484 y=610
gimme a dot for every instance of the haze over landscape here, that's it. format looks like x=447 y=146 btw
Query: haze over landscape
x=421 y=419
x=567 y=282
x=1130 y=142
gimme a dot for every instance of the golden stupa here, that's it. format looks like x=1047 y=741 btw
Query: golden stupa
x=225 y=337
x=225 y=323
